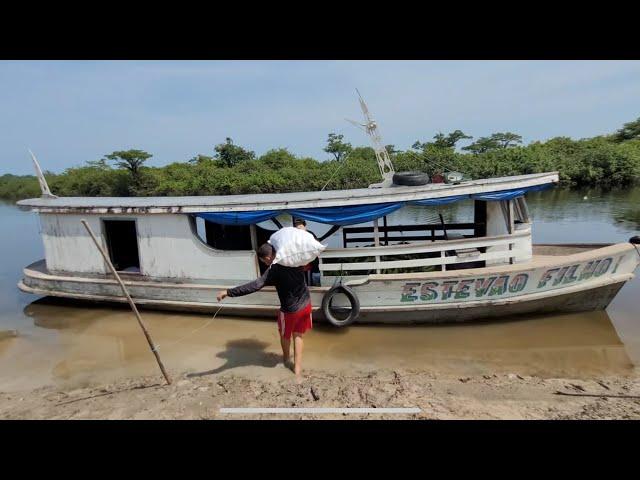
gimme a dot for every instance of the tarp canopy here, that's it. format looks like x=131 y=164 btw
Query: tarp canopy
x=239 y=218
x=346 y=215
x=355 y=214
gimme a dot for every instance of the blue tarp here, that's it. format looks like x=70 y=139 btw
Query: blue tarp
x=239 y=218
x=439 y=201
x=346 y=215
x=508 y=194
x=357 y=213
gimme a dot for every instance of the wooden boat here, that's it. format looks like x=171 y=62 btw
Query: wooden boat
x=439 y=272
x=484 y=268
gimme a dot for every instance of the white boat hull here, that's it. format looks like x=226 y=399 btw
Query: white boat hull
x=583 y=281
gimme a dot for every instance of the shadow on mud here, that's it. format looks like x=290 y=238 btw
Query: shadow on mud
x=241 y=353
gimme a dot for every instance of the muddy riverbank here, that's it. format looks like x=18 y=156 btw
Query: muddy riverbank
x=201 y=395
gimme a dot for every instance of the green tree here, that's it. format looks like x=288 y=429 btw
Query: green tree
x=230 y=154
x=451 y=140
x=99 y=164
x=131 y=160
x=443 y=141
x=278 y=158
x=629 y=131
x=481 y=145
x=495 y=141
x=200 y=159
x=336 y=147
x=391 y=149
x=507 y=139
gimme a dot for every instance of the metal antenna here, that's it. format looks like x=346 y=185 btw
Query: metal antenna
x=382 y=156
x=361 y=126
x=44 y=187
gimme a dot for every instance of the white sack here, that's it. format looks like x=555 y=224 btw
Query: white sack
x=295 y=247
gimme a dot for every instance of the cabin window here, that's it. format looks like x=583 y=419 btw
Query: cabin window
x=229 y=237
x=480 y=218
x=419 y=224
x=521 y=211
x=122 y=244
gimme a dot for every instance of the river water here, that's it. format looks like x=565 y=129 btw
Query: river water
x=68 y=344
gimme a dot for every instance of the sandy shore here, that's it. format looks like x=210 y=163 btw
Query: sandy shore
x=439 y=396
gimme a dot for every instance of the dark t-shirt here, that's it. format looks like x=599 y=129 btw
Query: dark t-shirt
x=289 y=283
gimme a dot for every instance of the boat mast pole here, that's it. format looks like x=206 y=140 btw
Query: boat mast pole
x=133 y=305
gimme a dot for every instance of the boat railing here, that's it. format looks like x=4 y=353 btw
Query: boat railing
x=351 y=235
x=426 y=256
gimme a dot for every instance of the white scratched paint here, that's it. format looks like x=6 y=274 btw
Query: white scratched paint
x=167 y=246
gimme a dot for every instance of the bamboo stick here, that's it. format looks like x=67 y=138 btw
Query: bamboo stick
x=131 y=303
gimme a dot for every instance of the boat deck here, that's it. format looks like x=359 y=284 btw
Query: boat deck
x=384 y=298
x=543 y=254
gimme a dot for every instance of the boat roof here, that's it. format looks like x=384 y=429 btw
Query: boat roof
x=283 y=201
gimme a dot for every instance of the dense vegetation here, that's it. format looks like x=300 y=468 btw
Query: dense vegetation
x=610 y=160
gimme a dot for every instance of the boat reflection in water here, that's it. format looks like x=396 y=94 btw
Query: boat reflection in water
x=98 y=344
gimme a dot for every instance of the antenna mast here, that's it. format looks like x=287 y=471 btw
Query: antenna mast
x=44 y=187
x=382 y=156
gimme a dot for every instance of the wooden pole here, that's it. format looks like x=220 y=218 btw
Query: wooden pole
x=376 y=240
x=386 y=233
x=133 y=305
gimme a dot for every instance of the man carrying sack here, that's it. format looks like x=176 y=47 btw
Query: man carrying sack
x=286 y=254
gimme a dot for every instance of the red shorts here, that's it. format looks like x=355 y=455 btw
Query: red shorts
x=294 y=322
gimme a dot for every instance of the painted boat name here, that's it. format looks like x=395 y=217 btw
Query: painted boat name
x=499 y=285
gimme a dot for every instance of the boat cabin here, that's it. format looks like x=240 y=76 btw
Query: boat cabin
x=214 y=239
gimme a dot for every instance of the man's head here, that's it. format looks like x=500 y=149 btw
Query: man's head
x=300 y=223
x=266 y=253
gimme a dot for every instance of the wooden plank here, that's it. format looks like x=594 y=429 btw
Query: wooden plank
x=424 y=247
x=511 y=224
x=411 y=228
x=386 y=232
x=254 y=238
x=376 y=237
x=420 y=262
x=413 y=238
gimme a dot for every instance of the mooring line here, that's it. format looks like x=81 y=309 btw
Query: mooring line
x=157 y=347
x=192 y=332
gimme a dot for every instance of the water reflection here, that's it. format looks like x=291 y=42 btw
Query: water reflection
x=75 y=343
x=98 y=343
x=582 y=205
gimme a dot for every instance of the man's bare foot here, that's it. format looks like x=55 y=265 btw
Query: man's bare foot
x=299 y=378
x=289 y=365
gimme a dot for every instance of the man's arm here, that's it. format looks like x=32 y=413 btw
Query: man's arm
x=247 y=288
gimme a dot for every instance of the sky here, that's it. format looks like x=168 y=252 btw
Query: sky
x=70 y=112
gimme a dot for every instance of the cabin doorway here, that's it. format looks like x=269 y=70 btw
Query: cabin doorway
x=122 y=244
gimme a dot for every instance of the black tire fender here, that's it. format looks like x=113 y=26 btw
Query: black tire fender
x=353 y=300
x=410 y=178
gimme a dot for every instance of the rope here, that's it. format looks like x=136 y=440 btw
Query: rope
x=441 y=165
x=437 y=164
x=336 y=171
x=157 y=348
x=190 y=333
